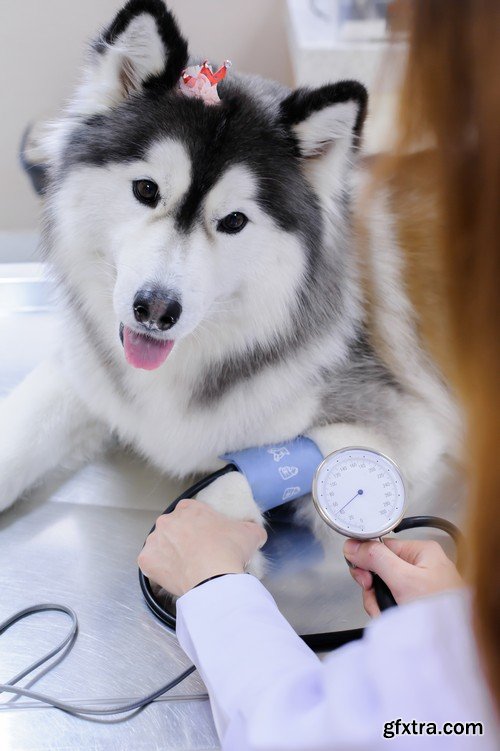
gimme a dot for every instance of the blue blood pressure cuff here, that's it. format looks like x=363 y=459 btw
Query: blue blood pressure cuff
x=278 y=473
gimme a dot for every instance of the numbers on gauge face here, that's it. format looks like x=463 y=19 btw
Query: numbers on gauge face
x=360 y=491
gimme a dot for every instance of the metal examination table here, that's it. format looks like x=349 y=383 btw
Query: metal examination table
x=75 y=541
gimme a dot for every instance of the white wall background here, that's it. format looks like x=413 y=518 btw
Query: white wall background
x=41 y=44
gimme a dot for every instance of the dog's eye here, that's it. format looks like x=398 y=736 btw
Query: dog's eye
x=232 y=223
x=146 y=191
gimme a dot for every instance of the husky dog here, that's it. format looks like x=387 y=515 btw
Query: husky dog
x=210 y=289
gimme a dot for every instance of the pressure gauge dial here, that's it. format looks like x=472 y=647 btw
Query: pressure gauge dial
x=359 y=493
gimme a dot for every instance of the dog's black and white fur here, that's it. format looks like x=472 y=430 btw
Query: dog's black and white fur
x=271 y=341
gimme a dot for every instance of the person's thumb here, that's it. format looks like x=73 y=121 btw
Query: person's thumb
x=376 y=557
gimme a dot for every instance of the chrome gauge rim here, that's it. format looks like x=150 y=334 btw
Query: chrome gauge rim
x=328 y=519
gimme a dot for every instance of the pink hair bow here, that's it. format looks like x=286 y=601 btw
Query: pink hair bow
x=200 y=82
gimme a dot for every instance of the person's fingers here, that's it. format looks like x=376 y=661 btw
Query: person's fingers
x=370 y=603
x=146 y=559
x=377 y=557
x=192 y=517
x=417 y=552
x=196 y=541
x=362 y=577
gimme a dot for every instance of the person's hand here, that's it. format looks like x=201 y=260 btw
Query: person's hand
x=193 y=543
x=410 y=568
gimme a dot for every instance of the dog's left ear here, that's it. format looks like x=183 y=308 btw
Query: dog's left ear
x=141 y=48
x=326 y=124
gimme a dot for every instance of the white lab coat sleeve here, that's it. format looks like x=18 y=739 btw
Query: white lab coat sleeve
x=267 y=689
x=269 y=692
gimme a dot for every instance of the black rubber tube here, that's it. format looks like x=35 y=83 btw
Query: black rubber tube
x=385 y=598
x=167 y=618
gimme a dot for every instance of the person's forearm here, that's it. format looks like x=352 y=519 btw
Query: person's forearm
x=233 y=631
x=267 y=688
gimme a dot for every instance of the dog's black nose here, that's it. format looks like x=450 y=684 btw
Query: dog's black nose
x=156 y=309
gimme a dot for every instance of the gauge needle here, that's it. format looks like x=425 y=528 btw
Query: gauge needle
x=359 y=492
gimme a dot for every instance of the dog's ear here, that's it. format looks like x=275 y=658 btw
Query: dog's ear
x=33 y=160
x=141 y=49
x=326 y=125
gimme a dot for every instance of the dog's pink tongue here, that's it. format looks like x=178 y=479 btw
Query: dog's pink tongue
x=143 y=351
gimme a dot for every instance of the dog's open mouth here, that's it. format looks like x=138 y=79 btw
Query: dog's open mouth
x=143 y=351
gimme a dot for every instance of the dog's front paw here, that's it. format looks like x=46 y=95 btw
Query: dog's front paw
x=231 y=495
x=257 y=566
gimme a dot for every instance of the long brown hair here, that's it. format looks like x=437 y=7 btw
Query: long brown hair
x=451 y=96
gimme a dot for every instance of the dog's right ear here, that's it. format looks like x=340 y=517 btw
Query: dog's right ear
x=326 y=124
x=142 y=48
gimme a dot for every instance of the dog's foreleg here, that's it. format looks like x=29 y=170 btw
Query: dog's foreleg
x=231 y=495
x=330 y=438
x=412 y=438
x=43 y=425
